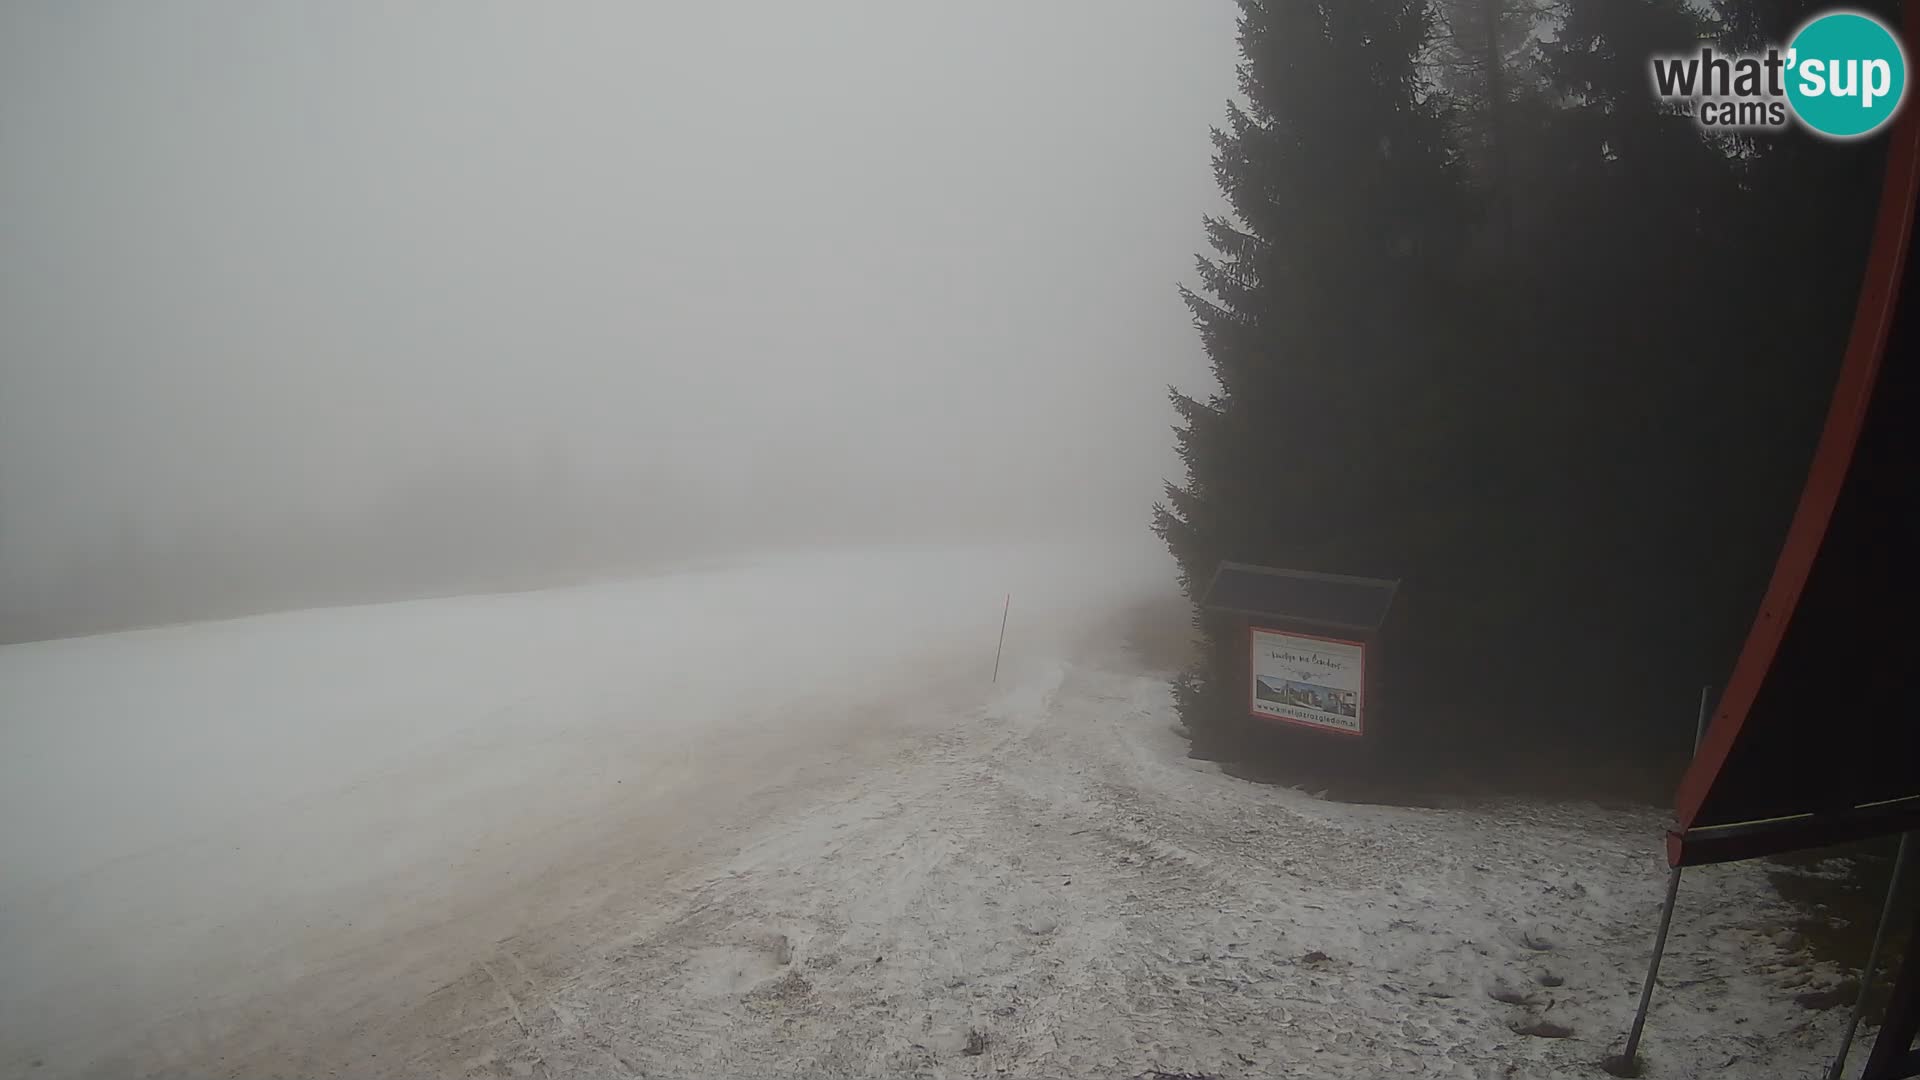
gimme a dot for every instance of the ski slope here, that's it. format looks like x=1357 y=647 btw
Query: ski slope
x=193 y=813
x=774 y=819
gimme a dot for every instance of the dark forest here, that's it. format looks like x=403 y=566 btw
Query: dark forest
x=1489 y=318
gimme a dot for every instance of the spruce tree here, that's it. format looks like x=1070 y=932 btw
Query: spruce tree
x=1317 y=309
x=1485 y=62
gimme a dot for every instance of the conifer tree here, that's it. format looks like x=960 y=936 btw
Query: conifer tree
x=1316 y=306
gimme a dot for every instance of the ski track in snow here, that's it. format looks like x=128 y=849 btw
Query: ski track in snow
x=922 y=875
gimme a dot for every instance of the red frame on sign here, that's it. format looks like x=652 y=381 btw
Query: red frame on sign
x=1360 y=700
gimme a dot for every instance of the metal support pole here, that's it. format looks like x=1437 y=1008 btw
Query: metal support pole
x=1873 y=955
x=1625 y=1064
x=1893 y=1054
x=1628 y=1055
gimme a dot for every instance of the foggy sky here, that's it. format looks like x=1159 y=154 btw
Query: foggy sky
x=272 y=268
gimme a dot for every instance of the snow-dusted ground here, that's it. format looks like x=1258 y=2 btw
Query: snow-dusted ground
x=774 y=820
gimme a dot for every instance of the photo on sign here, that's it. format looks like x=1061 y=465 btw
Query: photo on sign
x=1324 y=699
x=1299 y=679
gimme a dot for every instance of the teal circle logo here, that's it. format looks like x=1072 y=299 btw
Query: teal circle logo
x=1846 y=74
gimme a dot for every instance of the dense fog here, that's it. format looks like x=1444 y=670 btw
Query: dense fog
x=312 y=304
x=725 y=497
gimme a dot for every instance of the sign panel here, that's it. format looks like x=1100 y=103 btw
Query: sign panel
x=1312 y=681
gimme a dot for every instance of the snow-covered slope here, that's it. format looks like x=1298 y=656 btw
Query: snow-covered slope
x=774 y=820
x=193 y=815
